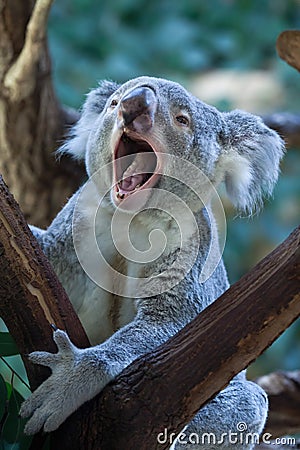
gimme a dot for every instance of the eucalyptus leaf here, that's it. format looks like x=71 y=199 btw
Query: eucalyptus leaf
x=3 y=397
x=13 y=427
x=8 y=346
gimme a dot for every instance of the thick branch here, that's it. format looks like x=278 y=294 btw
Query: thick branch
x=31 y=296
x=21 y=79
x=283 y=389
x=196 y=363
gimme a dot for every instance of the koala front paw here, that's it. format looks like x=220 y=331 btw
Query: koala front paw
x=76 y=377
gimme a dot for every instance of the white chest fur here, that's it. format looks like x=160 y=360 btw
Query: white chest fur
x=113 y=249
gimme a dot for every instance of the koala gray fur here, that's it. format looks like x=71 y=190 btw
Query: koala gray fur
x=234 y=147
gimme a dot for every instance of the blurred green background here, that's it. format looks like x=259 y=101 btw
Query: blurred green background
x=198 y=43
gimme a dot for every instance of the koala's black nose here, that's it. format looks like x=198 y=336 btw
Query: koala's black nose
x=138 y=102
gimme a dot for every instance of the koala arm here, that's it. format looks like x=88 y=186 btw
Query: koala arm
x=79 y=374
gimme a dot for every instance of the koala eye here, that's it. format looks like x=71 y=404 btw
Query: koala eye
x=114 y=103
x=183 y=120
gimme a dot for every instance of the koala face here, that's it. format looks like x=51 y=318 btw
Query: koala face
x=144 y=120
x=133 y=126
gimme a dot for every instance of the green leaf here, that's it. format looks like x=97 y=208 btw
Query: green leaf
x=8 y=346
x=13 y=429
x=3 y=397
x=9 y=389
x=6 y=446
x=24 y=441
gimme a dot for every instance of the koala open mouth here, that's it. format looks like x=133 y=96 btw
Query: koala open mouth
x=135 y=166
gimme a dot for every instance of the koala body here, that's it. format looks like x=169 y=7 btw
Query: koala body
x=154 y=154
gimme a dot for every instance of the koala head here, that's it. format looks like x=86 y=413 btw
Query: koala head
x=135 y=124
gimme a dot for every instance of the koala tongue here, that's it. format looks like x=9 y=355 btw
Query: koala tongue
x=130 y=183
x=135 y=173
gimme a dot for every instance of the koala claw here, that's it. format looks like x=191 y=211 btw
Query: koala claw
x=65 y=390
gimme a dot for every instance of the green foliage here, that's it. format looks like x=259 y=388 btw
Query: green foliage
x=7 y=345
x=11 y=425
x=3 y=397
x=120 y=39
x=12 y=435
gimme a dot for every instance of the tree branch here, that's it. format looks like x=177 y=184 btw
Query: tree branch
x=31 y=296
x=227 y=336
x=20 y=79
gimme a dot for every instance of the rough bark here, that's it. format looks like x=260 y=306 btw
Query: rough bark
x=31 y=117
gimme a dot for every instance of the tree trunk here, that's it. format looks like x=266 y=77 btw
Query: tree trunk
x=32 y=121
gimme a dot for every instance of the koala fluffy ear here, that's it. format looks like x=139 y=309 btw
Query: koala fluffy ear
x=249 y=160
x=93 y=106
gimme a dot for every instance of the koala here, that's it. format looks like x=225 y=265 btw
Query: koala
x=130 y=247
